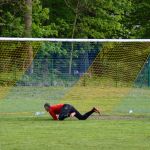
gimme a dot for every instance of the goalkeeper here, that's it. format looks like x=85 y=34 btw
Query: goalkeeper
x=62 y=111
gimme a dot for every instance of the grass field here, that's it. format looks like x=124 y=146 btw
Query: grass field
x=116 y=129
x=30 y=133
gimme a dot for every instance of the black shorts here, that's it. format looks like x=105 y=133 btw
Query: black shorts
x=66 y=110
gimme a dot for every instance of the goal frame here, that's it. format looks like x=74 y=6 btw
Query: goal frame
x=71 y=40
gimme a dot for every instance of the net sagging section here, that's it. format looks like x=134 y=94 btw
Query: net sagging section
x=15 y=59
x=112 y=80
x=118 y=64
x=109 y=75
x=36 y=72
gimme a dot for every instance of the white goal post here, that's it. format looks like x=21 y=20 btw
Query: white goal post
x=71 y=40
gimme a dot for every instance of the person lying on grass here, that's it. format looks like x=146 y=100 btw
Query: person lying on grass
x=62 y=111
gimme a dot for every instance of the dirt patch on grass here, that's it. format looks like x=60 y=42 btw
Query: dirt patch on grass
x=119 y=117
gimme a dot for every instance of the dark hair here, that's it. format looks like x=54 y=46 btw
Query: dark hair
x=46 y=105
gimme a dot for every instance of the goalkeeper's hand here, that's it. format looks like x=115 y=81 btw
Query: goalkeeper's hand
x=72 y=114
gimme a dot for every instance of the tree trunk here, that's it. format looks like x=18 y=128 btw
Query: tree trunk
x=28 y=33
x=72 y=44
x=73 y=31
x=28 y=18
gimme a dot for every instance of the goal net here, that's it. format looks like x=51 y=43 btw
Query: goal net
x=111 y=74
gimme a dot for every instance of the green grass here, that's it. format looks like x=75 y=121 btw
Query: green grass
x=21 y=131
x=111 y=100
x=30 y=133
x=30 y=99
x=137 y=99
x=87 y=97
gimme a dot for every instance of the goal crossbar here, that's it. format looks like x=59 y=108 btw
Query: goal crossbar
x=71 y=40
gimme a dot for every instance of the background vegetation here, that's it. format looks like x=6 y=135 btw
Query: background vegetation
x=75 y=18
x=67 y=19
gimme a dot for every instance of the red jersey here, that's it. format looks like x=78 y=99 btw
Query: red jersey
x=55 y=110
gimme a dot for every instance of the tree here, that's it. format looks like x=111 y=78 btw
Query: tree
x=28 y=33
x=28 y=18
x=138 y=20
x=11 y=21
x=77 y=9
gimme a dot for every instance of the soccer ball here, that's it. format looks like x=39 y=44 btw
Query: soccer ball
x=130 y=111
x=39 y=113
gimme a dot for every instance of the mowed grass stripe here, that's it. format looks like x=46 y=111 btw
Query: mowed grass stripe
x=28 y=133
x=86 y=97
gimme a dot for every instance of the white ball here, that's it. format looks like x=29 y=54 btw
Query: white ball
x=130 y=111
x=37 y=113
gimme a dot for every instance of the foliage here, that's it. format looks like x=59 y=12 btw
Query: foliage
x=95 y=19
x=76 y=19
x=14 y=24
x=139 y=19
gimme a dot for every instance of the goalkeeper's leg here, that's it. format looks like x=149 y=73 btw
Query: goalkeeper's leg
x=86 y=115
x=68 y=109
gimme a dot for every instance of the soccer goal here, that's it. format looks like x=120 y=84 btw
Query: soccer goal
x=113 y=74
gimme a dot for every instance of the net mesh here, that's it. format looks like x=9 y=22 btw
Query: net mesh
x=112 y=79
x=118 y=64
x=15 y=58
x=111 y=75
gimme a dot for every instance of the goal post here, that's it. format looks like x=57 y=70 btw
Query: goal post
x=113 y=74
